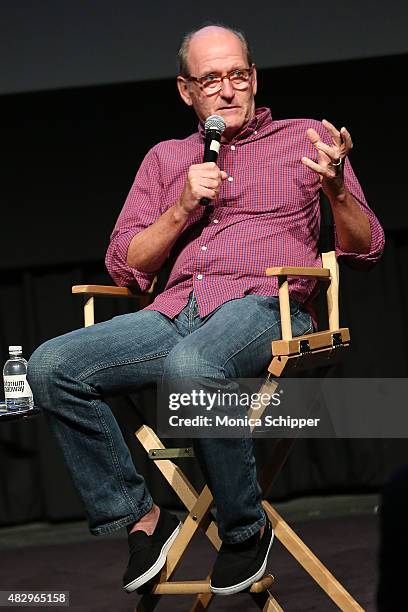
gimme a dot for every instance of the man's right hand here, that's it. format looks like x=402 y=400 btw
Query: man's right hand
x=203 y=181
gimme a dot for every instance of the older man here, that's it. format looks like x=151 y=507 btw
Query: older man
x=264 y=196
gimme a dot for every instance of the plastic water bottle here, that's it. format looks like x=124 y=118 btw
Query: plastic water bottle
x=17 y=392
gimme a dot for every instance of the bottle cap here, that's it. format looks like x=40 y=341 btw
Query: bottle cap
x=15 y=349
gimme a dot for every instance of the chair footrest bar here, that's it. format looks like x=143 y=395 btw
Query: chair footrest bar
x=191 y=587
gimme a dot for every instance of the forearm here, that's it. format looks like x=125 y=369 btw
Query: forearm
x=149 y=249
x=352 y=224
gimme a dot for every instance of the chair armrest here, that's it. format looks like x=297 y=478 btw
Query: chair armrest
x=105 y=291
x=329 y=273
x=282 y=272
x=112 y=290
x=300 y=272
x=92 y=291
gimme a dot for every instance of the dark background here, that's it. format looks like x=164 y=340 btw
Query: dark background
x=68 y=158
x=49 y=44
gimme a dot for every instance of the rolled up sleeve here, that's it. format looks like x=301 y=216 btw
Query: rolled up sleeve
x=142 y=208
x=362 y=260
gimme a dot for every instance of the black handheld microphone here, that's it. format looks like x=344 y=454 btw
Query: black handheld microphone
x=214 y=127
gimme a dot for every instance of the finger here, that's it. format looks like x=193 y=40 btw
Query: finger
x=213 y=173
x=209 y=182
x=312 y=165
x=346 y=138
x=326 y=171
x=207 y=192
x=207 y=165
x=322 y=171
x=333 y=131
x=332 y=153
x=208 y=169
x=224 y=175
x=313 y=136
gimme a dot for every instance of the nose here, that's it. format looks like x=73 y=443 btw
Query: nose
x=227 y=90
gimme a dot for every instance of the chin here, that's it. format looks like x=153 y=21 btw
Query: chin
x=233 y=127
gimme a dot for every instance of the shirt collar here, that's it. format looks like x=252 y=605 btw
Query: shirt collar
x=262 y=120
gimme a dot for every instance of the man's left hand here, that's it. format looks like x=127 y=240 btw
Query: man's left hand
x=330 y=158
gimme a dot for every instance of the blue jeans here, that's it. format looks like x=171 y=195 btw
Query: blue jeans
x=70 y=376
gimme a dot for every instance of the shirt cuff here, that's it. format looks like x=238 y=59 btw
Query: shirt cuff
x=117 y=266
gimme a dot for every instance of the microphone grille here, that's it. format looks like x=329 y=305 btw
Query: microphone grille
x=214 y=122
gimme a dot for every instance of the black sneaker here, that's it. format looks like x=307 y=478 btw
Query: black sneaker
x=148 y=553
x=239 y=565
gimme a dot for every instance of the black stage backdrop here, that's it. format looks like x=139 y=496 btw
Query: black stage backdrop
x=68 y=159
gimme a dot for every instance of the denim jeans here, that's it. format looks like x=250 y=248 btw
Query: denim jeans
x=71 y=375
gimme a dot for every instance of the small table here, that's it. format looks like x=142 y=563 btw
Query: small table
x=13 y=415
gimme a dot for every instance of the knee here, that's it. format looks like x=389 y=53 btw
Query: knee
x=45 y=364
x=191 y=362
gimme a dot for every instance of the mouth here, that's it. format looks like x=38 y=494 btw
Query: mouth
x=228 y=108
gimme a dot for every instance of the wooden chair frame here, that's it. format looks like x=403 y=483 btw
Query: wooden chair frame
x=289 y=355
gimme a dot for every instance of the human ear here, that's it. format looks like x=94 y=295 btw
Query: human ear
x=254 y=81
x=184 y=91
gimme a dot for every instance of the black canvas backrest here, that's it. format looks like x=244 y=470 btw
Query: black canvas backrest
x=326 y=236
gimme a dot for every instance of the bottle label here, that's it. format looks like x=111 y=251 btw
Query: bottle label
x=16 y=387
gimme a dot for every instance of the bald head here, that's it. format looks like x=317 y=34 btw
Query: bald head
x=218 y=51
x=197 y=40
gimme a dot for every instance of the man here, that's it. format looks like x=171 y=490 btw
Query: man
x=264 y=195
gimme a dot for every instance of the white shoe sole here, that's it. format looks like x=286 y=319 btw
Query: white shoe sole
x=241 y=586
x=157 y=565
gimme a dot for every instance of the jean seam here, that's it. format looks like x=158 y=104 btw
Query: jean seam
x=191 y=313
x=244 y=534
x=115 y=457
x=258 y=336
x=253 y=480
x=114 y=364
x=122 y=522
x=112 y=526
x=251 y=341
x=189 y=318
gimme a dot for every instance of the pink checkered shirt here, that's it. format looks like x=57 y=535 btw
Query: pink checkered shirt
x=266 y=214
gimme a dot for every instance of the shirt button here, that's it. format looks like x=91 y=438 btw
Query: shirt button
x=230 y=179
x=203 y=248
x=256 y=131
x=232 y=147
x=199 y=276
x=215 y=221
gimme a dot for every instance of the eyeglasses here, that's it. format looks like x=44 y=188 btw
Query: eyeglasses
x=212 y=83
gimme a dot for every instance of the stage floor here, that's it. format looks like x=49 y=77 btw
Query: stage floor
x=341 y=531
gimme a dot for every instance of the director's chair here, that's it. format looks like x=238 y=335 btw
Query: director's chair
x=289 y=357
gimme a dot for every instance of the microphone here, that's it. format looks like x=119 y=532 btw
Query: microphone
x=214 y=126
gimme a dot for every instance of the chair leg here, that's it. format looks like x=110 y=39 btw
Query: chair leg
x=178 y=481
x=320 y=574
x=195 y=519
x=292 y=542
x=266 y=602
x=202 y=601
x=199 y=507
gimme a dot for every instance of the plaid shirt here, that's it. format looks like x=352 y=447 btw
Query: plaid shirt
x=266 y=214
